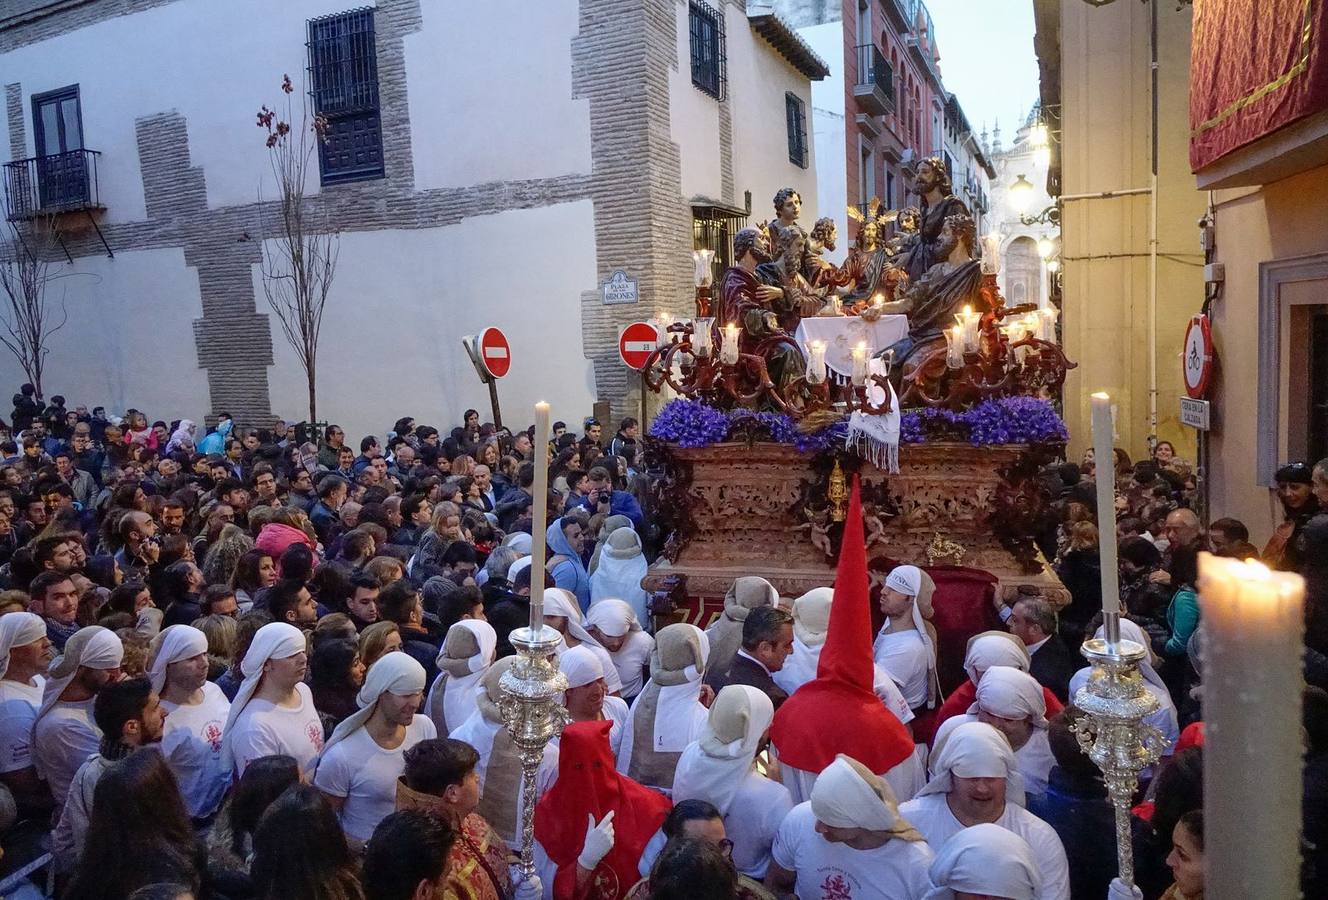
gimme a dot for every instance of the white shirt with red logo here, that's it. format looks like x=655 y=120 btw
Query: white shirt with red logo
x=265 y=729
x=191 y=745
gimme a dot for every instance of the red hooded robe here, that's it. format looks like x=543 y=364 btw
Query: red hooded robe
x=589 y=785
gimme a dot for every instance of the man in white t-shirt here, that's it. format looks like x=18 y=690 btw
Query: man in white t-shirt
x=849 y=842
x=198 y=711
x=614 y=625
x=25 y=652
x=358 y=769
x=1012 y=702
x=273 y=711
x=905 y=647
x=977 y=780
x=130 y=715
x=64 y=734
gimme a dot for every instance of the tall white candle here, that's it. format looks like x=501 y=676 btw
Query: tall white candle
x=1104 y=452
x=816 y=362
x=539 y=515
x=1253 y=648
x=858 y=375
x=728 y=351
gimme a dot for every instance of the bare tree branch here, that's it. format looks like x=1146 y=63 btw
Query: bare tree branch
x=27 y=320
x=299 y=256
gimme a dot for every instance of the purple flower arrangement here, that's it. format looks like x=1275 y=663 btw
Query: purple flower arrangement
x=1008 y=420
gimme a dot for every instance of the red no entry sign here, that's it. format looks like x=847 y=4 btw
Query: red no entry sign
x=636 y=344
x=495 y=352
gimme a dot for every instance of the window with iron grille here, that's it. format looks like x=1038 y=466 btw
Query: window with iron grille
x=796 y=112
x=708 y=51
x=343 y=80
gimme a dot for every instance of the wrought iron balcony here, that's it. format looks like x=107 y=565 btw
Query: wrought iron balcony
x=875 y=85
x=48 y=185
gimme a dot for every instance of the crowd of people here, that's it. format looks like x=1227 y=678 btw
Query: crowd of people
x=243 y=662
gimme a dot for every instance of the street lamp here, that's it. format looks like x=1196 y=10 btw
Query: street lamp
x=1045 y=246
x=1021 y=195
x=1053 y=265
x=1037 y=135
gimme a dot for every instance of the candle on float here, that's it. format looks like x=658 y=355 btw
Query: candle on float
x=859 y=373
x=701 y=335
x=969 y=320
x=816 y=362
x=539 y=515
x=728 y=350
x=1047 y=316
x=1253 y=649
x=665 y=320
x=1104 y=452
x=954 y=346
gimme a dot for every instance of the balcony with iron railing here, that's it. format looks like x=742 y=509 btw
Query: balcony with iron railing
x=50 y=185
x=874 y=88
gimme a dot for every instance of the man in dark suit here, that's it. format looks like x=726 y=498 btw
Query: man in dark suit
x=767 y=640
x=1033 y=621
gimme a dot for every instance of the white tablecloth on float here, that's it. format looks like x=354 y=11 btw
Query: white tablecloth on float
x=842 y=333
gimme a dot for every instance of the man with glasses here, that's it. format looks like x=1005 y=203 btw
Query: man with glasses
x=334 y=438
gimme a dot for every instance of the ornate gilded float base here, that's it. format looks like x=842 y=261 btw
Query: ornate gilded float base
x=767 y=509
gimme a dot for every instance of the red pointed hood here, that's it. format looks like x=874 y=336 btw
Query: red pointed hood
x=838 y=712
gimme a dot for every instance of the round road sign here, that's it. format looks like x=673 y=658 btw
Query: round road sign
x=636 y=343
x=495 y=352
x=1198 y=358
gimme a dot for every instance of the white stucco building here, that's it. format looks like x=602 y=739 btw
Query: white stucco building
x=490 y=164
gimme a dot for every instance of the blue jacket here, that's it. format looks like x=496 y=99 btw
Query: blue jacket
x=570 y=572
x=620 y=504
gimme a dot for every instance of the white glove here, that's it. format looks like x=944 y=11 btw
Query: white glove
x=599 y=841
x=529 y=889
x=1119 y=890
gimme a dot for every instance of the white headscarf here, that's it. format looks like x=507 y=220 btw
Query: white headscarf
x=1011 y=694
x=622 y=566
x=558 y=602
x=581 y=666
x=613 y=618
x=518 y=541
x=394 y=673
x=676 y=700
x=459 y=691
x=516 y=568
x=847 y=795
x=172 y=645
x=275 y=640
x=811 y=623
x=985 y=859
x=994 y=648
x=714 y=767
x=18 y=629
x=918 y=584
x=92 y=647
x=485 y=722
x=181 y=436
x=975 y=750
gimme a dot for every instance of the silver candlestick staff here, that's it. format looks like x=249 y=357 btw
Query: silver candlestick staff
x=1114 y=734
x=534 y=715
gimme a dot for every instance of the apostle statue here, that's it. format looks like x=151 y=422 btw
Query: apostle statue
x=784 y=271
x=872 y=266
x=938 y=203
x=788 y=206
x=931 y=301
x=753 y=303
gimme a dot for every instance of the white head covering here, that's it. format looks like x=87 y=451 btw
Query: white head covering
x=714 y=767
x=582 y=666
x=994 y=648
x=518 y=541
x=461 y=677
x=172 y=645
x=975 y=750
x=613 y=618
x=275 y=640
x=918 y=584
x=18 y=629
x=621 y=567
x=847 y=795
x=1011 y=694
x=811 y=616
x=515 y=568
x=985 y=859
x=394 y=673
x=676 y=700
x=558 y=602
x=92 y=647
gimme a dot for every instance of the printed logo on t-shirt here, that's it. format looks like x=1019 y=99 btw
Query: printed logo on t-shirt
x=211 y=734
x=314 y=731
x=837 y=886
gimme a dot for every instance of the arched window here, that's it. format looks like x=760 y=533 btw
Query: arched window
x=1022 y=269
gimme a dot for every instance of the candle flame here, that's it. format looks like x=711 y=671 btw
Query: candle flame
x=862 y=345
x=968 y=310
x=1101 y=395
